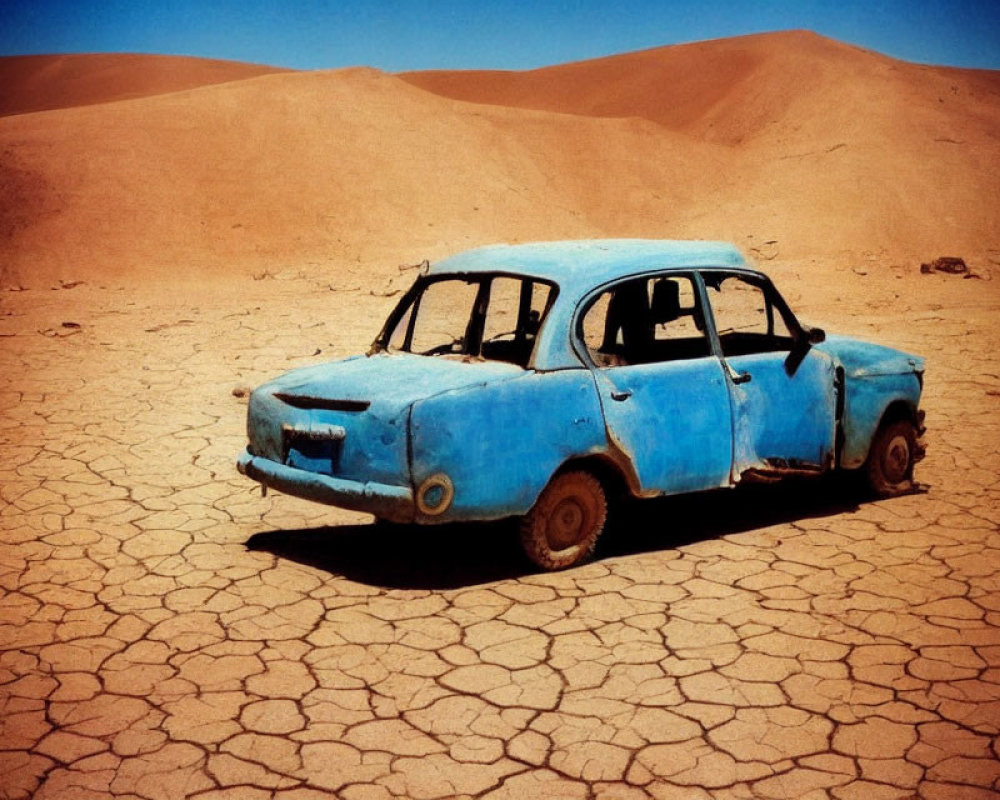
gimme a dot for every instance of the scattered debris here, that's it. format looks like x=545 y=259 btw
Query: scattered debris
x=950 y=265
x=397 y=284
x=165 y=325
x=68 y=284
x=241 y=391
x=312 y=355
x=67 y=329
x=767 y=251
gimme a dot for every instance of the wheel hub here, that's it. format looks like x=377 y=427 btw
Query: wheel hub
x=897 y=459
x=566 y=524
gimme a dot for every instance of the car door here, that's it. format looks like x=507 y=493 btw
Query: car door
x=662 y=389
x=784 y=394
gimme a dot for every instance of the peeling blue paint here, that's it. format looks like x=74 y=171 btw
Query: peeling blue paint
x=500 y=443
x=437 y=438
x=876 y=378
x=782 y=418
x=672 y=421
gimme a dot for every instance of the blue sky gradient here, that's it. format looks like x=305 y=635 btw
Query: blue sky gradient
x=399 y=35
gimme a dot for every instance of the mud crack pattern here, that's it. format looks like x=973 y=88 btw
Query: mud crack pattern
x=167 y=633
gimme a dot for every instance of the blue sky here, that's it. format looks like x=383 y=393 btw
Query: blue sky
x=399 y=35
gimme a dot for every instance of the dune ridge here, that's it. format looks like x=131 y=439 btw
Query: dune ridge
x=829 y=151
x=45 y=83
x=765 y=88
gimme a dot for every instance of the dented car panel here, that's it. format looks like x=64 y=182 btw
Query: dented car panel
x=784 y=420
x=875 y=379
x=669 y=367
x=375 y=392
x=672 y=422
x=363 y=406
x=500 y=444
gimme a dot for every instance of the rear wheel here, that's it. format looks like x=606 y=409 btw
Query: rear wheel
x=890 y=463
x=562 y=528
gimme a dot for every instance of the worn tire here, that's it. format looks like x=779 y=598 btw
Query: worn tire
x=889 y=469
x=562 y=528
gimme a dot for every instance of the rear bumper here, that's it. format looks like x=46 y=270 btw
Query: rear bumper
x=393 y=503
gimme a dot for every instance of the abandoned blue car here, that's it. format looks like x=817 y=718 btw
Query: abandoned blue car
x=537 y=380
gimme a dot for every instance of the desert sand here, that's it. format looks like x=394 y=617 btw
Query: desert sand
x=828 y=151
x=172 y=236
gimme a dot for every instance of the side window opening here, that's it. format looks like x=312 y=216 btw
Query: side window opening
x=646 y=320
x=513 y=318
x=746 y=318
x=440 y=316
x=493 y=317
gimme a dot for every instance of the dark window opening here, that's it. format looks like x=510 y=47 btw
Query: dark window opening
x=646 y=320
x=747 y=316
x=495 y=317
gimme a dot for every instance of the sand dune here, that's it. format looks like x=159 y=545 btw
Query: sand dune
x=321 y=167
x=831 y=151
x=43 y=83
x=731 y=90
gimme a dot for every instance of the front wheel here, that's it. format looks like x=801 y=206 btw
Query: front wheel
x=562 y=528
x=889 y=470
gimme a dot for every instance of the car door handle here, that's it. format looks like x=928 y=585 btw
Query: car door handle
x=737 y=377
x=619 y=396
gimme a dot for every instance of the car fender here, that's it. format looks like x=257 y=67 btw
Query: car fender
x=875 y=378
x=498 y=444
x=867 y=399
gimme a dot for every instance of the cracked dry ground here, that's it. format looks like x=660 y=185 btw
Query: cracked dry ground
x=165 y=632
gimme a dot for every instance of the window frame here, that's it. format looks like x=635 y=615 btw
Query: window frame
x=409 y=303
x=592 y=298
x=773 y=299
x=697 y=276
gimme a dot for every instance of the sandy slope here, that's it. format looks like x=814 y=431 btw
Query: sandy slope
x=43 y=83
x=828 y=141
x=781 y=86
x=346 y=165
x=833 y=152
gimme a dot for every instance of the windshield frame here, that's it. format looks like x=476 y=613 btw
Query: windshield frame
x=475 y=323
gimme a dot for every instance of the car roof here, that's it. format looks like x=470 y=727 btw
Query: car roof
x=591 y=262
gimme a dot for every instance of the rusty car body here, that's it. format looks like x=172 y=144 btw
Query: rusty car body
x=533 y=380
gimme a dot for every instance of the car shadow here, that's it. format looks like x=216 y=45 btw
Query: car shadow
x=670 y=522
x=405 y=556
x=461 y=555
